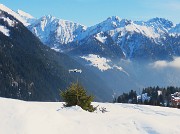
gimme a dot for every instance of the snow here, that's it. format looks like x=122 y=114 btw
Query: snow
x=19 y=117
x=147 y=31
x=144 y=96
x=52 y=29
x=4 y=30
x=56 y=49
x=110 y=23
x=10 y=22
x=114 y=25
x=175 y=30
x=14 y=14
x=100 y=62
x=101 y=38
x=24 y=14
x=120 y=69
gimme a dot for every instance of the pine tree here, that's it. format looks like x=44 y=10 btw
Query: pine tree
x=74 y=95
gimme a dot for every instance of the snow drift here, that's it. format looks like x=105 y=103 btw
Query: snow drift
x=19 y=117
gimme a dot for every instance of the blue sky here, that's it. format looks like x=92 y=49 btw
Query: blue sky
x=90 y=12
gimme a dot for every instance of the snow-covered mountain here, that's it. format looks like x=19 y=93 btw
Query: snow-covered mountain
x=29 y=70
x=175 y=30
x=125 y=54
x=159 y=25
x=113 y=25
x=29 y=19
x=20 y=15
x=55 y=32
x=114 y=37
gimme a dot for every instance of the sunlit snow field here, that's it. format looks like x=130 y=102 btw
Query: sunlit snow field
x=19 y=117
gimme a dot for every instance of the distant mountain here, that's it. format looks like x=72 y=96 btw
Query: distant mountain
x=30 y=70
x=55 y=32
x=122 y=52
x=114 y=37
x=116 y=55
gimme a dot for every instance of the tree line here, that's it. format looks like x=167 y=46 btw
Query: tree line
x=149 y=96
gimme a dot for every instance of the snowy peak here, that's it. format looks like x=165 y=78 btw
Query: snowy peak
x=48 y=18
x=160 y=25
x=113 y=26
x=14 y=14
x=110 y=23
x=117 y=28
x=54 y=31
x=153 y=28
x=114 y=18
x=24 y=14
x=115 y=22
x=29 y=19
x=161 y=22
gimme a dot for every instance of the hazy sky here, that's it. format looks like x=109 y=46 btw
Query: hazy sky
x=90 y=12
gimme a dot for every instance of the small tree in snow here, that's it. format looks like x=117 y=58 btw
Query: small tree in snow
x=74 y=95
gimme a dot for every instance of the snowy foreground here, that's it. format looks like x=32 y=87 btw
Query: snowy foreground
x=19 y=117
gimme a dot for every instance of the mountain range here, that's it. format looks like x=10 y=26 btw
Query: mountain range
x=32 y=71
x=121 y=54
x=114 y=37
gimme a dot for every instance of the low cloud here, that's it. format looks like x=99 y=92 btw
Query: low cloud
x=164 y=64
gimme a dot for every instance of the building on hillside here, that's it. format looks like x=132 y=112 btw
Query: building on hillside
x=175 y=99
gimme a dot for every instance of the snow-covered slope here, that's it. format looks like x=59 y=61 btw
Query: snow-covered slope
x=113 y=25
x=44 y=118
x=160 y=25
x=116 y=37
x=4 y=30
x=21 y=16
x=120 y=38
x=110 y=23
x=175 y=30
x=27 y=18
x=135 y=39
x=56 y=33
x=53 y=31
x=6 y=23
x=102 y=63
x=24 y=14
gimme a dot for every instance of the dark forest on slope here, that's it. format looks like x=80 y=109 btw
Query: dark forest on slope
x=31 y=71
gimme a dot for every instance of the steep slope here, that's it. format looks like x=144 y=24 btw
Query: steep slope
x=55 y=32
x=121 y=51
x=16 y=15
x=25 y=69
x=175 y=30
x=113 y=38
x=129 y=40
x=31 y=71
x=29 y=19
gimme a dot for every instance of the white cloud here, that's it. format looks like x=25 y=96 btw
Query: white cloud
x=164 y=64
